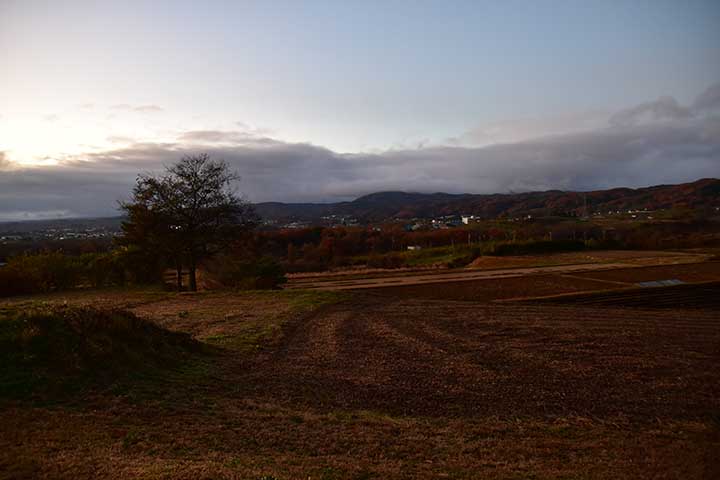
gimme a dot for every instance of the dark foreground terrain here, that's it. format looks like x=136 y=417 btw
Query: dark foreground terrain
x=360 y=385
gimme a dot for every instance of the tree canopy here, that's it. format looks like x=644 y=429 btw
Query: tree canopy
x=190 y=212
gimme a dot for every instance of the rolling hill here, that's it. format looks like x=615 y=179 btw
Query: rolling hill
x=381 y=206
x=388 y=205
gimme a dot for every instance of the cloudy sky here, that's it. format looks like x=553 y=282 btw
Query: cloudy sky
x=328 y=100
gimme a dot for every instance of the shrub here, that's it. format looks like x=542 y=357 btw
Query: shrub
x=389 y=260
x=246 y=274
x=13 y=281
x=303 y=266
x=610 y=244
x=102 y=269
x=139 y=266
x=465 y=260
x=39 y=273
x=534 y=247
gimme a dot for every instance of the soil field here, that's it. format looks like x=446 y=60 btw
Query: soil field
x=691 y=296
x=448 y=276
x=630 y=257
x=496 y=288
x=549 y=264
x=634 y=257
x=381 y=388
x=463 y=359
x=534 y=282
x=691 y=272
x=618 y=257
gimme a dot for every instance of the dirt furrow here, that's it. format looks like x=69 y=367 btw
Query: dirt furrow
x=459 y=359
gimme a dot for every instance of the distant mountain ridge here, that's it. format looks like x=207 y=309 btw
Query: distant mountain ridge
x=381 y=206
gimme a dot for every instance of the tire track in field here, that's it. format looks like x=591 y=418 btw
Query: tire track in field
x=462 y=359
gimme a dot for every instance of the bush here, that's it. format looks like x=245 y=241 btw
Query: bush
x=465 y=260
x=534 y=247
x=103 y=269
x=610 y=244
x=14 y=281
x=263 y=273
x=389 y=260
x=138 y=266
x=39 y=273
x=54 y=271
x=303 y=267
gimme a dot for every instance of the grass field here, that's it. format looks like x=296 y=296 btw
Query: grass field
x=329 y=385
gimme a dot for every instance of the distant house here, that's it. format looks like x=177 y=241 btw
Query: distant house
x=414 y=247
x=453 y=223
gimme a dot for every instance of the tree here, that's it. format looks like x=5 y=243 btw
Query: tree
x=187 y=214
x=148 y=244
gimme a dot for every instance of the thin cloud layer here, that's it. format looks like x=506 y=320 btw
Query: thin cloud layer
x=652 y=143
x=662 y=109
x=667 y=108
x=4 y=161
x=518 y=130
x=138 y=108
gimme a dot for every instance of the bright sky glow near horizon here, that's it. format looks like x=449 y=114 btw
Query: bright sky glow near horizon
x=326 y=100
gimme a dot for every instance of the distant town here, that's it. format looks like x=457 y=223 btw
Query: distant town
x=57 y=230
x=106 y=228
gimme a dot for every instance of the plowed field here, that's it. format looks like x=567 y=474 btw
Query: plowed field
x=496 y=288
x=464 y=359
x=704 y=296
x=691 y=272
x=378 y=387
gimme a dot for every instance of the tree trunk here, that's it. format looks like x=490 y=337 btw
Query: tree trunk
x=178 y=277
x=193 y=280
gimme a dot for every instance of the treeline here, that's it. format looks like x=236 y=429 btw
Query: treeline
x=260 y=259
x=56 y=270
x=51 y=271
x=71 y=246
x=320 y=248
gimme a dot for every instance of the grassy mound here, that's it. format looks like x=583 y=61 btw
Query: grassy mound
x=55 y=350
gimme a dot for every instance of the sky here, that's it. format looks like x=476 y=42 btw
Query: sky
x=327 y=100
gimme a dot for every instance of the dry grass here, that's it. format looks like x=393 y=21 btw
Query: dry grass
x=104 y=298
x=251 y=441
x=48 y=352
x=247 y=320
x=373 y=387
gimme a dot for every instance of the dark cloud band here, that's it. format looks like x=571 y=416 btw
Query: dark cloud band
x=653 y=143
